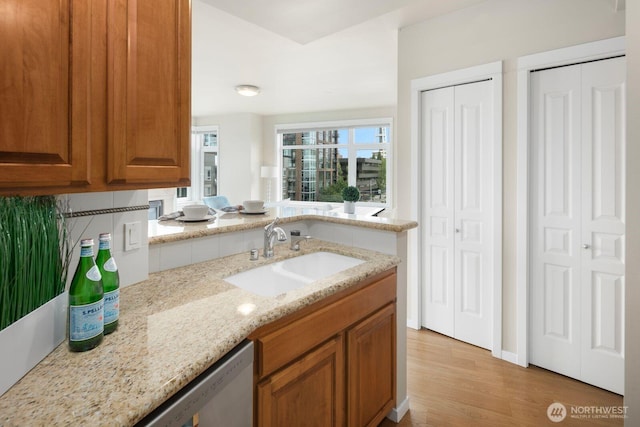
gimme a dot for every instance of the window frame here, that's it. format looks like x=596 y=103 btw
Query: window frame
x=195 y=192
x=351 y=147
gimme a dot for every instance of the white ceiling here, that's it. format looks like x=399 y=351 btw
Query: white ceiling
x=305 y=55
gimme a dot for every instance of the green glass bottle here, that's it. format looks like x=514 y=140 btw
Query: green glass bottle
x=86 y=302
x=110 y=283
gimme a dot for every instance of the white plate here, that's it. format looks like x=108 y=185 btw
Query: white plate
x=186 y=219
x=253 y=212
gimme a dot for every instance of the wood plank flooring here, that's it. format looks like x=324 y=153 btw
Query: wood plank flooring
x=451 y=383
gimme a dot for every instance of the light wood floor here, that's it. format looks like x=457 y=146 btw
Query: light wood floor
x=451 y=383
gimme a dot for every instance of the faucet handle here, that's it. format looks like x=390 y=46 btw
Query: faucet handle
x=271 y=225
x=296 y=237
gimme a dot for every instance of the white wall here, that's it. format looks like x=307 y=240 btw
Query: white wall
x=133 y=264
x=491 y=31
x=632 y=356
x=240 y=151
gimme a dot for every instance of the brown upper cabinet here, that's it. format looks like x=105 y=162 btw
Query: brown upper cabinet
x=95 y=95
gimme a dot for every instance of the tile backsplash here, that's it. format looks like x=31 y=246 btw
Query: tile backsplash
x=133 y=265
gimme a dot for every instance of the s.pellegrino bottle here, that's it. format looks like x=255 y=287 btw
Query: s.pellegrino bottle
x=110 y=283
x=86 y=302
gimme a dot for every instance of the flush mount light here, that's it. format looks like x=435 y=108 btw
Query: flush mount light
x=247 y=90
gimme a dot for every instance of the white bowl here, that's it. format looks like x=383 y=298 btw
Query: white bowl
x=253 y=205
x=195 y=211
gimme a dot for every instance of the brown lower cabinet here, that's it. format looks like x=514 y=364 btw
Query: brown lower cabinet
x=332 y=363
x=310 y=391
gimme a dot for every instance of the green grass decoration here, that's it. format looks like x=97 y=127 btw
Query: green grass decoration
x=34 y=255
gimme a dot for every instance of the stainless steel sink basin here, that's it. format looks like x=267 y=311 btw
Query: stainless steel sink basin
x=293 y=273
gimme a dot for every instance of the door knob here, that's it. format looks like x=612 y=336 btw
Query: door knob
x=585 y=246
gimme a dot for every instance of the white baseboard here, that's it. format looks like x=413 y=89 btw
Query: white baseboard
x=509 y=357
x=397 y=413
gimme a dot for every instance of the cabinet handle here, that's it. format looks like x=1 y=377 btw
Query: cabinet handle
x=585 y=246
x=457 y=230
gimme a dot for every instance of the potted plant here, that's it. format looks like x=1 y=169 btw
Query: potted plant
x=34 y=259
x=350 y=195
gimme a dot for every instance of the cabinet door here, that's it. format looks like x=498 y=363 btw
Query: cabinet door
x=44 y=108
x=148 y=91
x=371 y=385
x=309 y=392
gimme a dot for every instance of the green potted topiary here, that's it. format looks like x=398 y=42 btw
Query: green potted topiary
x=350 y=195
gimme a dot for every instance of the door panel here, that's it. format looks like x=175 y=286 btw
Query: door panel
x=308 y=392
x=371 y=359
x=577 y=227
x=149 y=94
x=603 y=185
x=555 y=277
x=437 y=134
x=45 y=68
x=472 y=251
x=457 y=136
x=557 y=302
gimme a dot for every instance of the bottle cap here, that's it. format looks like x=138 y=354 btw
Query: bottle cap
x=105 y=236
x=86 y=242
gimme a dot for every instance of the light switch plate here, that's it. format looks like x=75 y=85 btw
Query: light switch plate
x=132 y=236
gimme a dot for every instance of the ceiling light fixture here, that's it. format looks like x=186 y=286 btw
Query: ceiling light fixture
x=247 y=90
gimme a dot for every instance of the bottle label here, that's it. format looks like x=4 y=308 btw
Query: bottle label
x=86 y=321
x=110 y=265
x=111 y=306
x=86 y=251
x=94 y=274
x=104 y=244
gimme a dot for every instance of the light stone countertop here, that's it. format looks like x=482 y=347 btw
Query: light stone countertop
x=173 y=230
x=172 y=327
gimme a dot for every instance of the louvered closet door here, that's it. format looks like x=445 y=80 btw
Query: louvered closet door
x=577 y=228
x=457 y=138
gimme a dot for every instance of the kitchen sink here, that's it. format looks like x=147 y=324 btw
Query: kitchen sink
x=293 y=273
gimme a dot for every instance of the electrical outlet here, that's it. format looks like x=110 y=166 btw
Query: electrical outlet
x=132 y=236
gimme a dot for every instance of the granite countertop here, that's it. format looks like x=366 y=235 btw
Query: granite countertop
x=172 y=230
x=172 y=327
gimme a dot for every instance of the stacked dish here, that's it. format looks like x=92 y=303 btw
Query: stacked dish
x=253 y=207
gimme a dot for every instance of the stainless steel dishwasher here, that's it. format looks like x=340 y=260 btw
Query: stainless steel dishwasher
x=222 y=396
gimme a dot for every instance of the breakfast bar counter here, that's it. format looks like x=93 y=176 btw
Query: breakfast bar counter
x=227 y=222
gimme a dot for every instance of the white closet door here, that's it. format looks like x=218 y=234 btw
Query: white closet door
x=577 y=228
x=555 y=231
x=457 y=203
x=472 y=218
x=603 y=223
x=438 y=227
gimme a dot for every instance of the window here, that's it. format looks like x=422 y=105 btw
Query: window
x=319 y=161
x=204 y=165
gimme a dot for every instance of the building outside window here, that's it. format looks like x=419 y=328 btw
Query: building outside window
x=205 y=163
x=319 y=161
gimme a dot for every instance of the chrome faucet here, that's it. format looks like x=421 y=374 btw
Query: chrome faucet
x=270 y=234
x=296 y=238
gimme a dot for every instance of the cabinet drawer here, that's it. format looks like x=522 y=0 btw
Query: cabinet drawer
x=275 y=349
x=310 y=391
